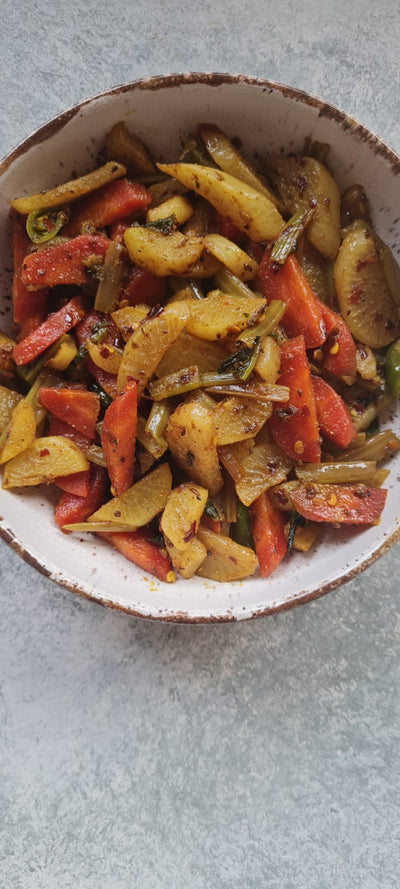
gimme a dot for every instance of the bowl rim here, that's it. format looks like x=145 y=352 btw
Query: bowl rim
x=212 y=79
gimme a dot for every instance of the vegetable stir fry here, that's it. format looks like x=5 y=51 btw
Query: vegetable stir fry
x=202 y=355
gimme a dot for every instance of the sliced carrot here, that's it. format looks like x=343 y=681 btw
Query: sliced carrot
x=78 y=483
x=343 y=504
x=333 y=414
x=76 y=406
x=71 y=508
x=268 y=529
x=288 y=283
x=64 y=263
x=118 y=439
x=339 y=349
x=60 y=427
x=141 y=549
x=142 y=286
x=38 y=340
x=109 y=204
x=294 y=425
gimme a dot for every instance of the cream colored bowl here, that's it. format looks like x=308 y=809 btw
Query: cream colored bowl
x=268 y=117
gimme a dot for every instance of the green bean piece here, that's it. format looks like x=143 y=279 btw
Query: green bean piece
x=337 y=473
x=110 y=279
x=43 y=225
x=157 y=420
x=286 y=242
x=241 y=529
x=272 y=316
x=392 y=368
x=377 y=448
x=232 y=386
x=229 y=283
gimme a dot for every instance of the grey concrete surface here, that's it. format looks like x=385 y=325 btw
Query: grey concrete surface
x=263 y=754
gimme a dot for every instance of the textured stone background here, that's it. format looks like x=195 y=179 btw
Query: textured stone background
x=259 y=755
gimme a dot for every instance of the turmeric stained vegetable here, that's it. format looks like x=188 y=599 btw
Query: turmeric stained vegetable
x=194 y=359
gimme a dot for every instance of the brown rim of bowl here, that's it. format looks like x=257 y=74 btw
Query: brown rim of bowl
x=325 y=109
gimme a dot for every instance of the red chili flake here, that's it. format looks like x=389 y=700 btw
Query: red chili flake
x=190 y=533
x=355 y=295
x=44 y=452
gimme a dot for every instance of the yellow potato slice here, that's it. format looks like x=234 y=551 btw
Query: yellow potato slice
x=8 y=401
x=364 y=298
x=21 y=431
x=233 y=257
x=304 y=182
x=69 y=191
x=162 y=255
x=65 y=354
x=43 y=461
x=254 y=467
x=182 y=513
x=268 y=359
x=140 y=503
x=225 y=559
x=252 y=212
x=177 y=206
x=237 y=419
x=148 y=344
x=191 y=437
x=206 y=355
x=229 y=159
x=128 y=318
x=187 y=561
x=220 y=315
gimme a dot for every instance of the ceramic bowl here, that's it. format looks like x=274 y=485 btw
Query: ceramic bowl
x=268 y=117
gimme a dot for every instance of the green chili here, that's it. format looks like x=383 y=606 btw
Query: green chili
x=241 y=529
x=43 y=225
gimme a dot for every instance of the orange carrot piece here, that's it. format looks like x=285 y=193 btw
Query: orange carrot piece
x=108 y=205
x=78 y=483
x=141 y=549
x=64 y=263
x=268 y=529
x=294 y=424
x=333 y=414
x=71 y=508
x=339 y=350
x=288 y=283
x=78 y=407
x=343 y=504
x=38 y=340
x=118 y=439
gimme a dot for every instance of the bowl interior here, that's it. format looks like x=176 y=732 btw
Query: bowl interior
x=267 y=118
